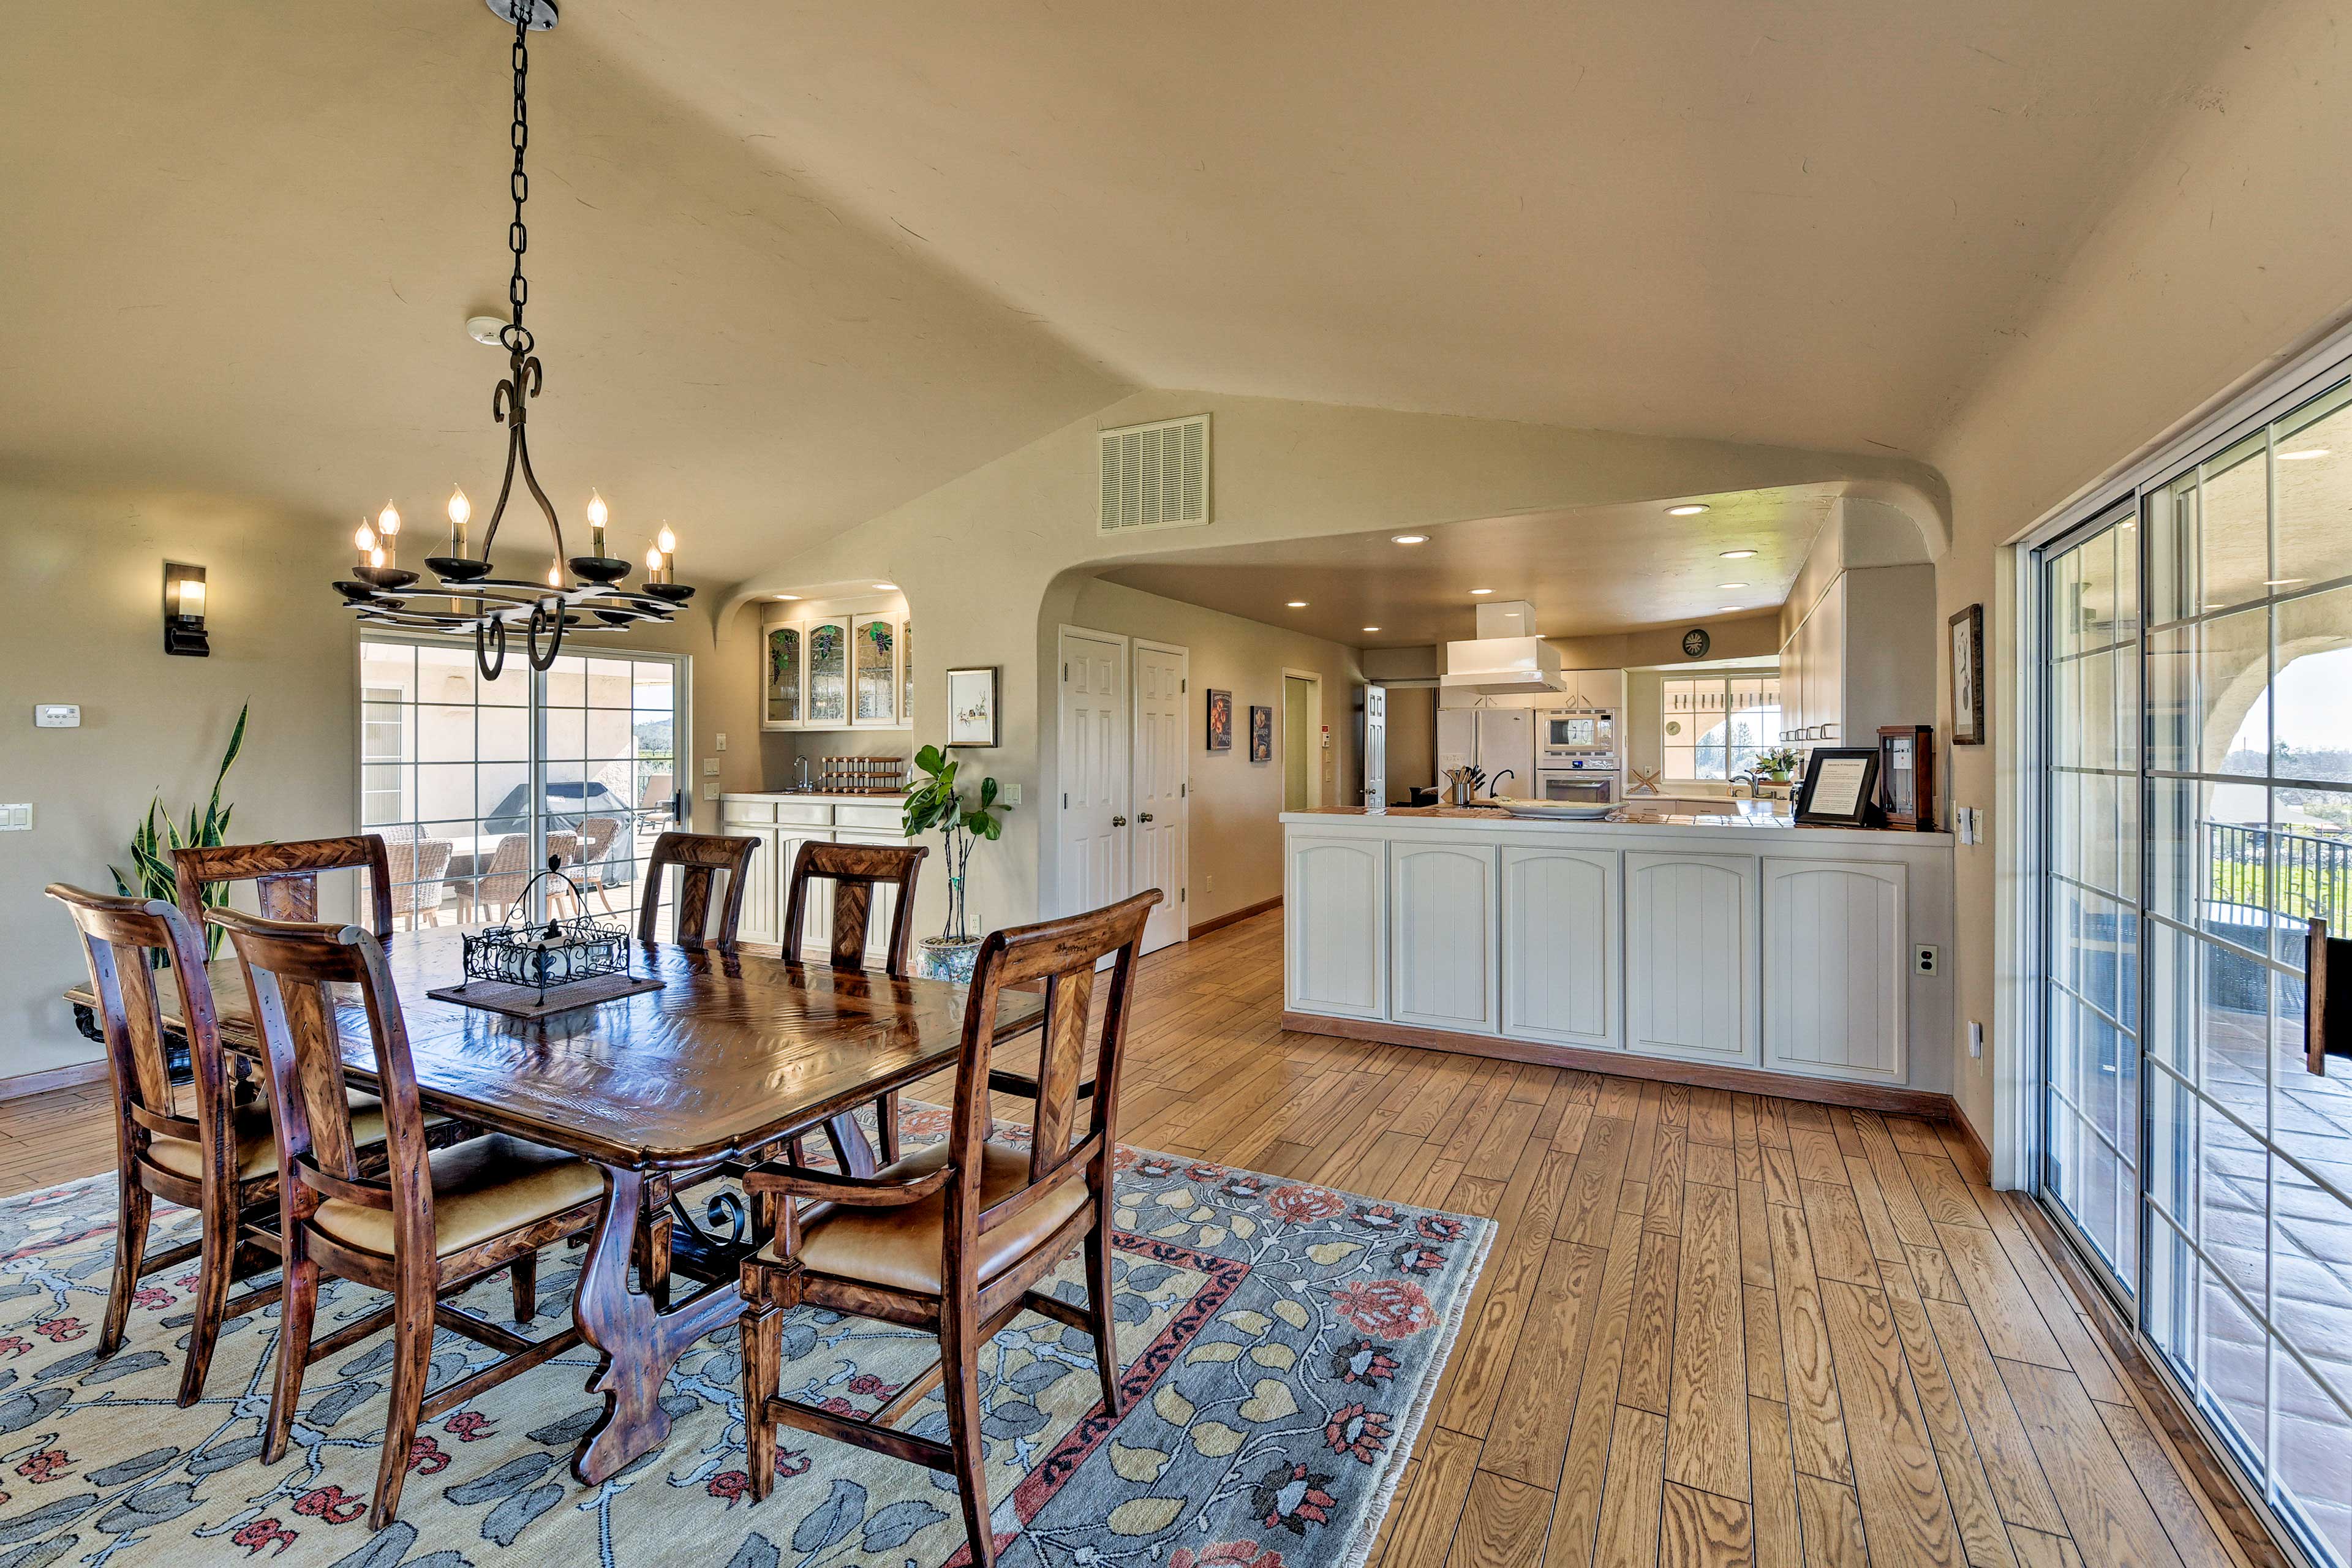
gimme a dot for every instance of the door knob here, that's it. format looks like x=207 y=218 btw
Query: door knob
x=1119 y=822
x=1142 y=816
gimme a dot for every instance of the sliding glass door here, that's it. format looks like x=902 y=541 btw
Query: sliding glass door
x=473 y=782
x=2222 y=1207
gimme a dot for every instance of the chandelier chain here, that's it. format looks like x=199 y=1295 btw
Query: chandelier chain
x=516 y=338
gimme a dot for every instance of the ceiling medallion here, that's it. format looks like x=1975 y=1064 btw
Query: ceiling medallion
x=477 y=603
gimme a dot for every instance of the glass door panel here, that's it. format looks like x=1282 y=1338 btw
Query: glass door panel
x=2243 y=1190
x=784 y=675
x=875 y=649
x=828 y=676
x=607 y=725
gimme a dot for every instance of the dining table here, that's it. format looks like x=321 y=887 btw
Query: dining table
x=734 y=1053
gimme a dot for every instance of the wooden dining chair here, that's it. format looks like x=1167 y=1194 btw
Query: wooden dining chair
x=955 y=1238
x=220 y=1162
x=700 y=857
x=287 y=876
x=858 y=872
x=430 y=1225
x=2326 y=998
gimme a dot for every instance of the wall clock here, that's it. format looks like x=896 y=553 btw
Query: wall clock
x=1695 y=642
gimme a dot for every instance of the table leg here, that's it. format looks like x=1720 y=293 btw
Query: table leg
x=639 y=1341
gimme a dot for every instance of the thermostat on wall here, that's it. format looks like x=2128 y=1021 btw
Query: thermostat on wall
x=56 y=715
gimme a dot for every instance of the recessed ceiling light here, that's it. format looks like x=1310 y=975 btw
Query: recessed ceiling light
x=1737 y=554
x=1476 y=592
x=2280 y=582
x=1731 y=584
x=888 y=587
x=2303 y=457
x=1721 y=609
x=788 y=595
x=1297 y=604
x=1408 y=538
x=1371 y=628
x=1689 y=508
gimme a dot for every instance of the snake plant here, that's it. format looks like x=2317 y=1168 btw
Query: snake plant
x=158 y=835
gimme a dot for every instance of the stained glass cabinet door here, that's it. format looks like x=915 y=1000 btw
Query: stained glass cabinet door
x=828 y=673
x=787 y=677
x=874 y=648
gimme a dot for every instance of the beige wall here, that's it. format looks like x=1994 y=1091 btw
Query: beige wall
x=1412 y=741
x=86 y=628
x=2221 y=256
x=1234 y=840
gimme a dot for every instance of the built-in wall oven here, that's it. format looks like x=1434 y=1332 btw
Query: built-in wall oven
x=1587 y=786
x=1576 y=756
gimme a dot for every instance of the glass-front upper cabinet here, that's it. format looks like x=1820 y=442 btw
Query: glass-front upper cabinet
x=828 y=672
x=905 y=672
x=874 y=649
x=787 y=677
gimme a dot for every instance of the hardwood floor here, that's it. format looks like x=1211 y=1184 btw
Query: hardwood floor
x=1714 y=1329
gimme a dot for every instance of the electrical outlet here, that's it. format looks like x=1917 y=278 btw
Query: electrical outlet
x=1922 y=958
x=711 y=767
x=1976 y=1038
x=719 y=744
x=1009 y=795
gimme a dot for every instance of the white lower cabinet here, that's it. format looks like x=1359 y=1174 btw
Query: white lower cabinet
x=1443 y=936
x=762 y=884
x=1690 y=956
x=1563 y=947
x=1836 y=960
x=816 y=926
x=1334 y=899
x=782 y=825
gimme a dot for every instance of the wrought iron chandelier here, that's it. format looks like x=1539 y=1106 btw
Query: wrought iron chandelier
x=469 y=600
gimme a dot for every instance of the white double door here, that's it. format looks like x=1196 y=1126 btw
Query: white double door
x=1124 y=806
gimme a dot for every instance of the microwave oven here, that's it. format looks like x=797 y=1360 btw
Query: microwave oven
x=1588 y=734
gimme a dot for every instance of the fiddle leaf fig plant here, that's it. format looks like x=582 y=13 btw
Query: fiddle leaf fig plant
x=937 y=803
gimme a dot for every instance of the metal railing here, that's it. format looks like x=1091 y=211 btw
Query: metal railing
x=2306 y=875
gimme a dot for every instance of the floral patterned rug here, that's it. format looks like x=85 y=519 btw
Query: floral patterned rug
x=1282 y=1341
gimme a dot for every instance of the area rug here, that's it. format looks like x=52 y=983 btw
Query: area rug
x=1283 y=1343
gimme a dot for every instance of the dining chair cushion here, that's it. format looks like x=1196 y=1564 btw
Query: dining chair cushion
x=481 y=1189
x=899 y=1248
x=256 y=1149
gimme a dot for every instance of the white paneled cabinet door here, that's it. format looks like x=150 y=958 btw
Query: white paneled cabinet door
x=1094 y=760
x=763 y=880
x=1563 y=947
x=1160 y=790
x=816 y=925
x=1836 y=966
x=1690 y=956
x=1334 y=898
x=1442 y=926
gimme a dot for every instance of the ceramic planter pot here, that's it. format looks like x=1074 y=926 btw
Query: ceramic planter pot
x=946 y=958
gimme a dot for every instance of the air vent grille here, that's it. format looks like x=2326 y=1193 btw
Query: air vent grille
x=1156 y=475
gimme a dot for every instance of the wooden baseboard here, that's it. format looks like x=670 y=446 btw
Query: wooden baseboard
x=25 y=1084
x=1923 y=1104
x=1234 y=917
x=1979 y=1151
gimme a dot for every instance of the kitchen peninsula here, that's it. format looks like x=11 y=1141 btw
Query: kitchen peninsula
x=1727 y=948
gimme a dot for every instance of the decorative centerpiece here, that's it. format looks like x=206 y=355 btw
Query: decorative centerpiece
x=527 y=970
x=937 y=803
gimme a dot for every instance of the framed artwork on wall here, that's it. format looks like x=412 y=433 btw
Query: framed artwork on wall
x=1220 y=720
x=973 y=702
x=1967 y=677
x=1261 y=734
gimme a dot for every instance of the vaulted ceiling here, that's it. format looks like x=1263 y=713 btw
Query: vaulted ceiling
x=793 y=264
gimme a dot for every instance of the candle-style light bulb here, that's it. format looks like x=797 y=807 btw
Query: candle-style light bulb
x=375 y=556
x=387 y=521
x=667 y=543
x=653 y=562
x=363 y=537
x=555 y=575
x=597 y=515
x=461 y=511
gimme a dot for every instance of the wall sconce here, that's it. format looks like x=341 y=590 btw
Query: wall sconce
x=184 y=610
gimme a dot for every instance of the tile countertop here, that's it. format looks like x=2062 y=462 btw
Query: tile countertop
x=836 y=797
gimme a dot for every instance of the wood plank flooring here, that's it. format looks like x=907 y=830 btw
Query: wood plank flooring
x=1715 y=1330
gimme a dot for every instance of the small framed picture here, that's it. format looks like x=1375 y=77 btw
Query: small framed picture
x=1220 y=720
x=1261 y=734
x=1840 y=787
x=973 y=699
x=1907 y=777
x=1967 y=677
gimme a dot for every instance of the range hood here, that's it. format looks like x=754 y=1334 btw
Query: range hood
x=1507 y=659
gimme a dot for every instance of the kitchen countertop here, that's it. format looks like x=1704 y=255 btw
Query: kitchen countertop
x=1738 y=817
x=834 y=797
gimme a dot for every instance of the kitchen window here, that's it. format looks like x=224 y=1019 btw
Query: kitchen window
x=1714 y=726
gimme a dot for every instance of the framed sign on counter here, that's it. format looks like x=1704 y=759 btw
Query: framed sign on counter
x=1840 y=789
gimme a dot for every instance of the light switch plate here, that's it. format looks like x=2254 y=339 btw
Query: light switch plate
x=711 y=789
x=711 y=767
x=1011 y=794
x=719 y=744
x=17 y=818
x=56 y=715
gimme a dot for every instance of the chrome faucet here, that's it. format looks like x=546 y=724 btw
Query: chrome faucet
x=802 y=764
